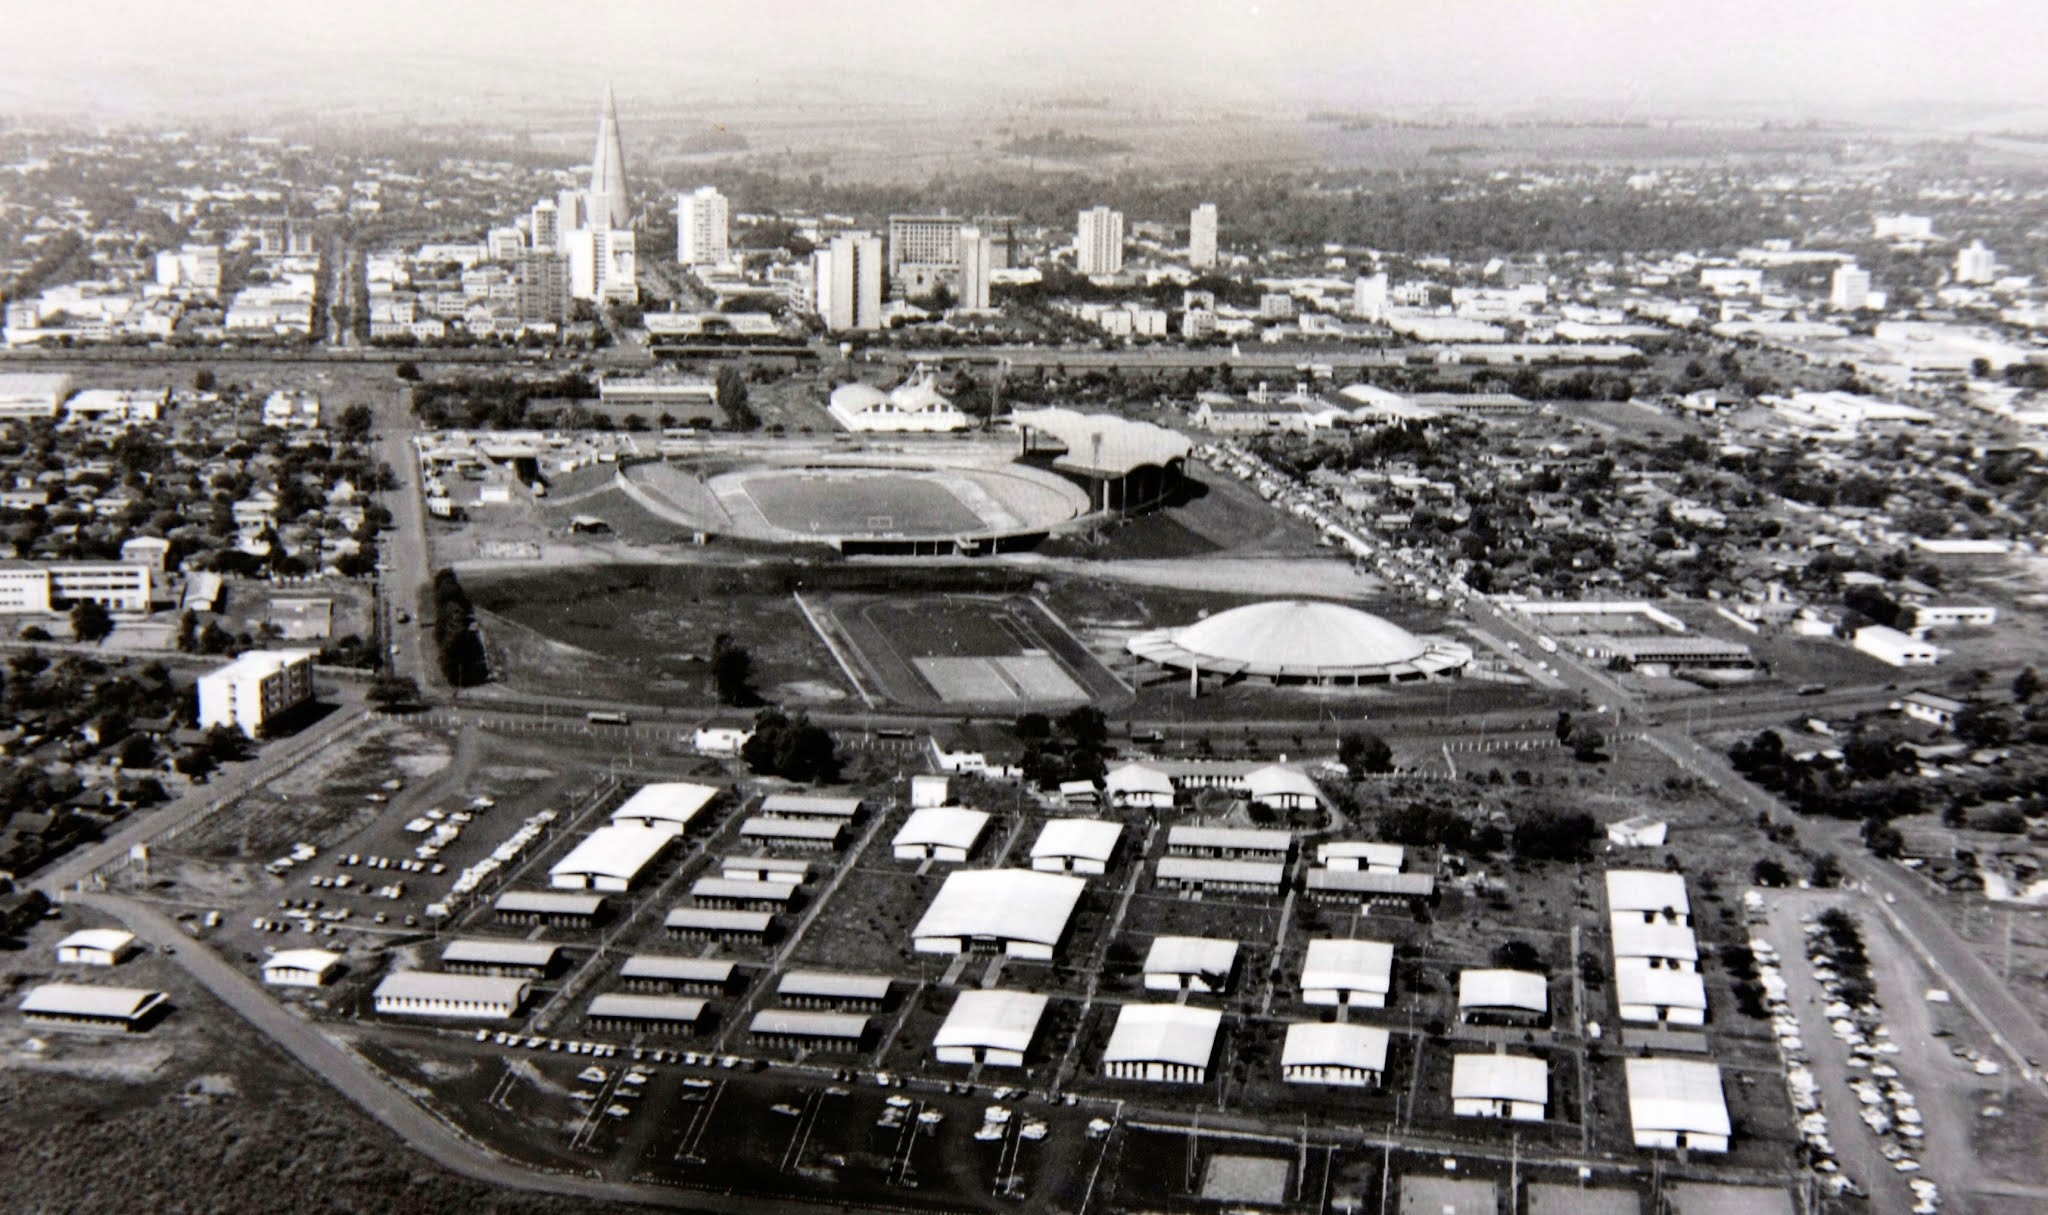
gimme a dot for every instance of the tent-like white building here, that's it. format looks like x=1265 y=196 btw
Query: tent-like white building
x=1296 y=641
x=1648 y=895
x=422 y=993
x=1138 y=787
x=611 y=858
x=1517 y=996
x=1021 y=912
x=990 y=1027
x=1076 y=845
x=96 y=947
x=1163 y=1043
x=1328 y=1053
x=1677 y=1103
x=1279 y=787
x=1515 y=1087
x=1353 y=974
x=1194 y=964
x=1659 y=997
x=939 y=833
x=300 y=967
x=673 y=805
x=915 y=406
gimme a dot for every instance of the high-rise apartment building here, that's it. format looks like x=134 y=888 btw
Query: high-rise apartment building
x=976 y=254
x=1849 y=290
x=249 y=692
x=1001 y=231
x=848 y=277
x=1976 y=264
x=608 y=202
x=1099 y=242
x=924 y=251
x=1369 y=297
x=603 y=265
x=1202 y=237
x=572 y=214
x=544 y=226
x=543 y=288
x=703 y=233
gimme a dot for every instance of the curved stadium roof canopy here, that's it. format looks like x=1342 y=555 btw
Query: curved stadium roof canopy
x=1301 y=641
x=1103 y=445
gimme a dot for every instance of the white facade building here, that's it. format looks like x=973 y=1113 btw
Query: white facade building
x=1500 y=1086
x=1890 y=646
x=1099 y=242
x=703 y=233
x=300 y=967
x=603 y=264
x=1849 y=289
x=1976 y=264
x=847 y=276
x=1202 y=237
x=421 y=993
x=255 y=688
x=977 y=257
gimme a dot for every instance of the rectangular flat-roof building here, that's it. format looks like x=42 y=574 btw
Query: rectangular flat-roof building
x=1021 y=912
x=1352 y=974
x=710 y=923
x=766 y=869
x=423 y=993
x=811 y=806
x=939 y=833
x=1503 y=997
x=743 y=894
x=795 y=834
x=1138 y=787
x=1198 y=964
x=611 y=858
x=1894 y=648
x=255 y=689
x=558 y=908
x=1662 y=997
x=107 y=1009
x=1648 y=895
x=1361 y=854
x=994 y=1028
x=1076 y=845
x=96 y=947
x=520 y=959
x=628 y=1012
x=1229 y=843
x=807 y=1030
x=832 y=989
x=1515 y=1087
x=1677 y=1103
x=1326 y=1053
x=1162 y=1043
x=1371 y=887
x=658 y=974
x=1660 y=946
x=1197 y=874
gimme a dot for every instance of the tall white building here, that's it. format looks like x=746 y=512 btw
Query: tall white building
x=609 y=206
x=1099 y=242
x=249 y=692
x=1202 y=237
x=189 y=266
x=848 y=278
x=977 y=255
x=1369 y=297
x=603 y=265
x=572 y=214
x=703 y=233
x=544 y=225
x=1849 y=290
x=1976 y=264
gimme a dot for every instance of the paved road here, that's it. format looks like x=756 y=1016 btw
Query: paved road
x=402 y=580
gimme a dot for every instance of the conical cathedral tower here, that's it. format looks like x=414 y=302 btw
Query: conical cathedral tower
x=608 y=203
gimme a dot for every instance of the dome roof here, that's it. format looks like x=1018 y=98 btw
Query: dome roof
x=1303 y=636
x=857 y=396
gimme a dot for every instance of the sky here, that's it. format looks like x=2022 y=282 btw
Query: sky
x=169 y=59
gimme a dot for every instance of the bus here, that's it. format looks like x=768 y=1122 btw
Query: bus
x=605 y=717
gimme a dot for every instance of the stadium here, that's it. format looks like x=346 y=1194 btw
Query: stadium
x=1300 y=642
x=956 y=497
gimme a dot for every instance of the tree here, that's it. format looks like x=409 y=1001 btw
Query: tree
x=1551 y=835
x=1827 y=871
x=1885 y=841
x=356 y=422
x=1362 y=753
x=731 y=389
x=790 y=747
x=90 y=620
x=1768 y=872
x=408 y=371
x=202 y=380
x=1085 y=727
x=732 y=671
x=1517 y=955
x=2026 y=684
x=1586 y=742
x=137 y=752
x=393 y=690
x=1564 y=726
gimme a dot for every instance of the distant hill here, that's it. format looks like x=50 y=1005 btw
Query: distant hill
x=1059 y=145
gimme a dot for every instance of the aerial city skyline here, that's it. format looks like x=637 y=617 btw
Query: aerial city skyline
x=1280 y=607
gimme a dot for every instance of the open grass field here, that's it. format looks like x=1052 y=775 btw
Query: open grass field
x=871 y=502
x=967 y=650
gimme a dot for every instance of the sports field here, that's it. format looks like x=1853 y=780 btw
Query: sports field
x=876 y=502
x=966 y=650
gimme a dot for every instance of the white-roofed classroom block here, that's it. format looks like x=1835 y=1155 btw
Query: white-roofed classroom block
x=520 y=959
x=1198 y=874
x=1659 y=997
x=1515 y=1087
x=670 y=805
x=1361 y=854
x=743 y=894
x=766 y=868
x=611 y=858
x=1229 y=843
x=1021 y=912
x=1327 y=1053
x=717 y=924
x=1661 y=945
x=793 y=834
x=1353 y=974
x=1648 y=895
x=96 y=947
x=833 y=989
x=628 y=1012
x=1503 y=997
x=1076 y=845
x=1677 y=1103
x=811 y=806
x=424 y=993
x=939 y=833
x=662 y=974
x=1162 y=1043
x=1200 y=964
x=558 y=908
x=995 y=1028
x=1138 y=787
x=301 y=967
x=804 y=1029
x=102 y=1009
x=1371 y=888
